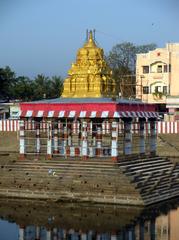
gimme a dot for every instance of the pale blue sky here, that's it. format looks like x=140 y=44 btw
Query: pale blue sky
x=42 y=36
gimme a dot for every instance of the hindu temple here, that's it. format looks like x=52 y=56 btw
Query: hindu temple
x=89 y=77
x=89 y=145
x=89 y=120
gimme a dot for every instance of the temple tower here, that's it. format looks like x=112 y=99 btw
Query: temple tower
x=89 y=77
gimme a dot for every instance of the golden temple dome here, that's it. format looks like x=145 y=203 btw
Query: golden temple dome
x=89 y=76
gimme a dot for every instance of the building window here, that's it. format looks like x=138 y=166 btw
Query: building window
x=145 y=69
x=145 y=90
x=169 y=67
x=158 y=89
x=165 y=89
x=165 y=68
x=159 y=68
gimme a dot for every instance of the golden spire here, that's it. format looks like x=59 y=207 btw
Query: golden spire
x=89 y=76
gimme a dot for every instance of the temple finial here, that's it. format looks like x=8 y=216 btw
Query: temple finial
x=91 y=35
x=87 y=34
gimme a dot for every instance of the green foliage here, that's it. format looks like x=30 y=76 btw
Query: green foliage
x=25 y=89
x=7 y=78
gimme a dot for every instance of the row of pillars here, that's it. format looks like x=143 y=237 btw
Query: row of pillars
x=129 y=233
x=85 y=150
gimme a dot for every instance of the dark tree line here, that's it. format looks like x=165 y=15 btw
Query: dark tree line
x=26 y=89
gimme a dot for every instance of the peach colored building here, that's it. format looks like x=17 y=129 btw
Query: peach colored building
x=157 y=77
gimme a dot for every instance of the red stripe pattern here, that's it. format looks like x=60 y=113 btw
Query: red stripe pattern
x=162 y=127
x=87 y=114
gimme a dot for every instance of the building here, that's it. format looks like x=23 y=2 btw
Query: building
x=4 y=110
x=88 y=120
x=157 y=76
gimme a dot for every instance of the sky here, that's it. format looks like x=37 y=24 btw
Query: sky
x=43 y=36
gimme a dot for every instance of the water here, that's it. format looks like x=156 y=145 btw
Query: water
x=32 y=220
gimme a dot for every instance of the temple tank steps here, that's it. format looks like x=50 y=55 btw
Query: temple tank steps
x=157 y=180
x=141 y=181
x=70 y=179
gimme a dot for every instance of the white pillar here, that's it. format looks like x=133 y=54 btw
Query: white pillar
x=142 y=136
x=103 y=127
x=65 y=141
x=84 y=141
x=60 y=136
x=153 y=136
x=21 y=140
x=114 y=142
x=49 y=140
x=127 y=137
x=108 y=128
x=37 y=138
x=55 y=138
x=90 y=132
x=98 y=142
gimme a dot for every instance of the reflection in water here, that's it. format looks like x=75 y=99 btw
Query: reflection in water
x=47 y=221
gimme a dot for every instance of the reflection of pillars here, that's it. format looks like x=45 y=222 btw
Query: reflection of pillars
x=37 y=138
x=49 y=140
x=114 y=142
x=55 y=138
x=131 y=233
x=48 y=235
x=21 y=233
x=55 y=234
x=127 y=136
x=153 y=136
x=83 y=236
x=37 y=233
x=98 y=142
x=152 y=229
x=98 y=236
x=113 y=235
x=141 y=230
x=84 y=140
x=22 y=140
x=142 y=137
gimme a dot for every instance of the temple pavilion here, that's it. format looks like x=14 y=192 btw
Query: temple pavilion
x=88 y=120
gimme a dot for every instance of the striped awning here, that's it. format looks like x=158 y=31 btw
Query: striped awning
x=87 y=114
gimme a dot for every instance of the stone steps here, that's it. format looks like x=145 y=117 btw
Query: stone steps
x=154 y=178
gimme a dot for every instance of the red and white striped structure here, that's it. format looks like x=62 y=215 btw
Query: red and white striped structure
x=161 y=126
x=87 y=114
x=168 y=127
x=88 y=127
x=9 y=125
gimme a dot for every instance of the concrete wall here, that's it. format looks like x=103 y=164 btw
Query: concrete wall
x=9 y=142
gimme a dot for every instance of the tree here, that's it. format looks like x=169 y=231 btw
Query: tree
x=23 y=89
x=56 y=86
x=45 y=87
x=7 y=78
x=122 y=60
